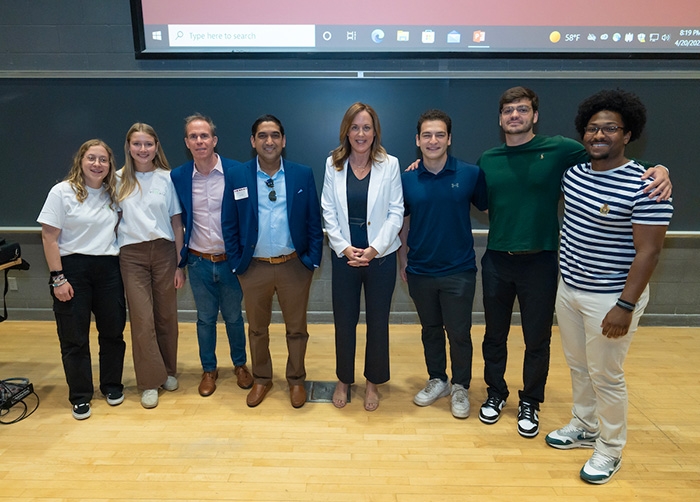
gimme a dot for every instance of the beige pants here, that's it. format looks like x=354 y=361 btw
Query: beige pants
x=595 y=361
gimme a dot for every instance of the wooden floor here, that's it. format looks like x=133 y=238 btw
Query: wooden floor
x=216 y=448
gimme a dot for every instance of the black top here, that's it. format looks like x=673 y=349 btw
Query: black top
x=357 y=208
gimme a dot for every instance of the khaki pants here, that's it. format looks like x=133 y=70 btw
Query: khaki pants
x=291 y=281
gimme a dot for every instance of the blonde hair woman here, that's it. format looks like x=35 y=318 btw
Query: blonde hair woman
x=78 y=223
x=150 y=239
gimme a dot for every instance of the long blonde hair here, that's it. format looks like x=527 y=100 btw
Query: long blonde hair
x=76 y=178
x=341 y=154
x=129 y=183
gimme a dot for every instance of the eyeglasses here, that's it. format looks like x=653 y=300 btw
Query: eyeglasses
x=93 y=158
x=272 y=195
x=610 y=129
x=522 y=110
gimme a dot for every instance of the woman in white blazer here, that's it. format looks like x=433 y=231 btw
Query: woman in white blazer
x=362 y=203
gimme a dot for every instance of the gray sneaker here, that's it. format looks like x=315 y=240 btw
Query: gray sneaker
x=149 y=398
x=460 y=401
x=569 y=437
x=171 y=384
x=600 y=468
x=434 y=390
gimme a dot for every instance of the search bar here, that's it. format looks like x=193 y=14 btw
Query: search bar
x=242 y=35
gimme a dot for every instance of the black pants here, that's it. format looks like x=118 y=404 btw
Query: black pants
x=445 y=304
x=378 y=280
x=532 y=278
x=97 y=287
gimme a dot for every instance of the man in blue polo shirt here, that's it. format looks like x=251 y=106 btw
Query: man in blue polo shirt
x=437 y=258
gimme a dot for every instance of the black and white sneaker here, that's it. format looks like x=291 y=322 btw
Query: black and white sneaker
x=490 y=411
x=528 y=420
x=115 y=398
x=81 y=411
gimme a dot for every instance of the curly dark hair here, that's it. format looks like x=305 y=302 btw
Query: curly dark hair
x=627 y=104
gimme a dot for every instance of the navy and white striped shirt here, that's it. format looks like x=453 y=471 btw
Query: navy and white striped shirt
x=600 y=207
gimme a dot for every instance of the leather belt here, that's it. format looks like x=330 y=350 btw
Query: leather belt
x=515 y=253
x=276 y=260
x=215 y=258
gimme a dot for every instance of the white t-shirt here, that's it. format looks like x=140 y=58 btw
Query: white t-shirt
x=146 y=212
x=87 y=227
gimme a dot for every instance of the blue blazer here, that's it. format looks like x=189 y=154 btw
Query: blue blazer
x=239 y=220
x=182 y=179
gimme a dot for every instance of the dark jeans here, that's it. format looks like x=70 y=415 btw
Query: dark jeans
x=532 y=278
x=378 y=280
x=445 y=304
x=97 y=287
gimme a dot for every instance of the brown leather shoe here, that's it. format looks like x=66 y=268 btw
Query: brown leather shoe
x=208 y=384
x=297 y=395
x=243 y=376
x=257 y=394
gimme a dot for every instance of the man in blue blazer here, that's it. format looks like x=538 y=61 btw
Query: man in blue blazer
x=200 y=187
x=272 y=227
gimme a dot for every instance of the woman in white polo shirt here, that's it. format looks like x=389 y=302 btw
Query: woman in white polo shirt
x=78 y=223
x=150 y=238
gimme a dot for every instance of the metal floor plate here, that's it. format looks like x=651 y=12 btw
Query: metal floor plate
x=321 y=392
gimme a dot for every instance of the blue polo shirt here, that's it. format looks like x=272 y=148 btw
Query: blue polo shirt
x=440 y=240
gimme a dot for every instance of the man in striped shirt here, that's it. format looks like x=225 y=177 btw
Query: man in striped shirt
x=611 y=240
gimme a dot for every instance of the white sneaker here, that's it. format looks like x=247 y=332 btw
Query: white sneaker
x=149 y=398
x=600 y=468
x=460 y=401
x=171 y=384
x=434 y=390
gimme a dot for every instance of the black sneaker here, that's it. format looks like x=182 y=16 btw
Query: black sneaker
x=490 y=411
x=115 y=398
x=528 y=420
x=81 y=411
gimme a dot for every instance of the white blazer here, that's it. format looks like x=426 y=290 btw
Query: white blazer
x=384 y=206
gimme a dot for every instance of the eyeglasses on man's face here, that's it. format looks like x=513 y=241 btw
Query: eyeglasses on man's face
x=607 y=130
x=521 y=109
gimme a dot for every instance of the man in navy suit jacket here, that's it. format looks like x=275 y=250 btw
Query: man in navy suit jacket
x=200 y=187
x=272 y=227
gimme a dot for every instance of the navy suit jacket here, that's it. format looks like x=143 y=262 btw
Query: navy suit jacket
x=239 y=219
x=182 y=179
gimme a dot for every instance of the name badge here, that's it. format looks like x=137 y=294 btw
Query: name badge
x=240 y=193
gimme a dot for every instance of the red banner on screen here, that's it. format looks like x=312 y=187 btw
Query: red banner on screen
x=421 y=12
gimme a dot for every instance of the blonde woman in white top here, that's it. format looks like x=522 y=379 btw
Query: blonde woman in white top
x=78 y=223
x=362 y=203
x=150 y=238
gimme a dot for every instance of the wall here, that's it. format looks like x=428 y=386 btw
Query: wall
x=62 y=39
